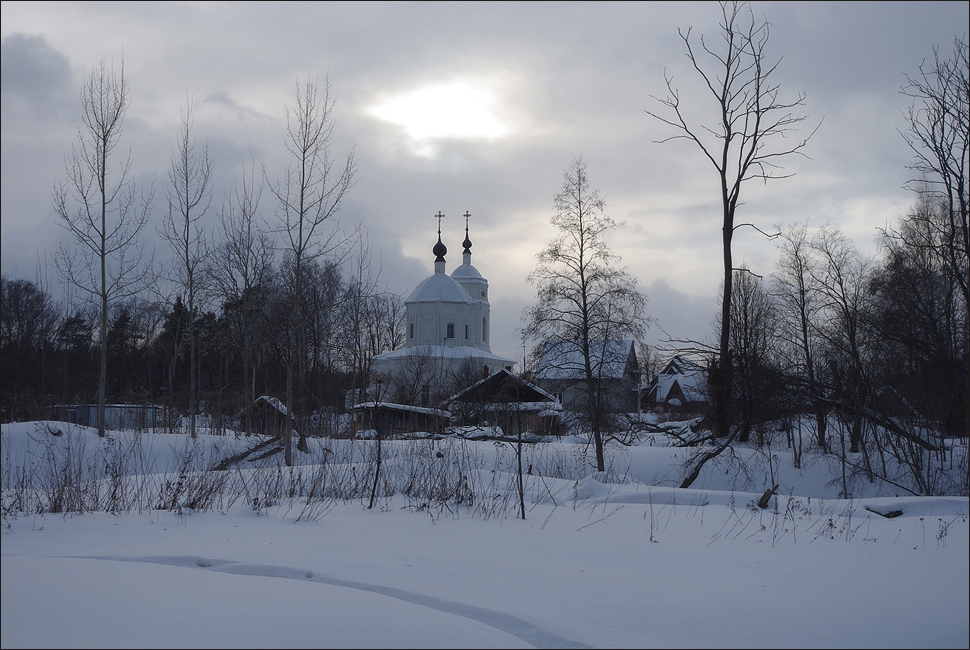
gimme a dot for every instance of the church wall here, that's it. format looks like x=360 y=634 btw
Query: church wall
x=431 y=324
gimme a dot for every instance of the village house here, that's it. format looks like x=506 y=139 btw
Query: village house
x=681 y=387
x=562 y=372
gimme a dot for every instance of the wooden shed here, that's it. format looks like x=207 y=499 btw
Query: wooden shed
x=266 y=416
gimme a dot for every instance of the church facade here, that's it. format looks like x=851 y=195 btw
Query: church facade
x=447 y=338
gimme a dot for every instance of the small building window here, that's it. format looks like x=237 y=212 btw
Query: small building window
x=451 y=331
x=466 y=331
x=411 y=330
x=484 y=329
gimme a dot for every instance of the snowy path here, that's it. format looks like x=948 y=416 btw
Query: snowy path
x=527 y=632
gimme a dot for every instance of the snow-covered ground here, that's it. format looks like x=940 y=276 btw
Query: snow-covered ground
x=623 y=558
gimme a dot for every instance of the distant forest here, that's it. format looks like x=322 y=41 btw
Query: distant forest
x=50 y=349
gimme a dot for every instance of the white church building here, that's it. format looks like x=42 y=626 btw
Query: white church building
x=447 y=337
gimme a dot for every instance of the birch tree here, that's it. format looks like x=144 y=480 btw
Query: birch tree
x=584 y=298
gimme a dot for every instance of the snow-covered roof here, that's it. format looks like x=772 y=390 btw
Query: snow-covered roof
x=505 y=386
x=439 y=287
x=542 y=408
x=681 y=371
x=680 y=365
x=564 y=359
x=274 y=402
x=109 y=405
x=402 y=407
x=694 y=386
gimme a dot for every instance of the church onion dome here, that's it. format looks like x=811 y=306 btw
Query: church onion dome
x=439 y=250
x=440 y=288
x=466 y=271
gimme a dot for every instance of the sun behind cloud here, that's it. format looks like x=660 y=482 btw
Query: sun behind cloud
x=454 y=110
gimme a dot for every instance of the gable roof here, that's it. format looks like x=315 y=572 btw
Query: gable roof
x=502 y=387
x=273 y=402
x=684 y=373
x=564 y=359
x=681 y=365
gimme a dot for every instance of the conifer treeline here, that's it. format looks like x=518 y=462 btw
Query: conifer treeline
x=50 y=350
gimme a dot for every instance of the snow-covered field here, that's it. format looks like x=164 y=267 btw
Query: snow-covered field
x=623 y=558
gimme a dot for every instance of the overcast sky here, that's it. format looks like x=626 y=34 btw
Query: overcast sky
x=479 y=107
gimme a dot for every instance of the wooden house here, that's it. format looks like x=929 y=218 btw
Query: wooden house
x=393 y=420
x=509 y=402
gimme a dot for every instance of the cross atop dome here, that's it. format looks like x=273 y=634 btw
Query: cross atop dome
x=467 y=243
x=439 y=250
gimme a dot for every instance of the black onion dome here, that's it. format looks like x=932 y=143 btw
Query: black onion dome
x=440 y=250
x=467 y=243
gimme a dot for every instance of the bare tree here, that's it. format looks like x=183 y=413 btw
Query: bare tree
x=938 y=131
x=318 y=344
x=583 y=297
x=923 y=320
x=371 y=318
x=242 y=269
x=386 y=323
x=419 y=380
x=751 y=345
x=308 y=196
x=99 y=207
x=189 y=194
x=799 y=307
x=750 y=116
x=842 y=277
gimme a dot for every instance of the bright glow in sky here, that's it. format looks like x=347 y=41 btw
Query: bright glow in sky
x=455 y=110
x=465 y=106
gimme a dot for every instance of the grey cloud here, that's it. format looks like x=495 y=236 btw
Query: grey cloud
x=36 y=77
x=570 y=79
